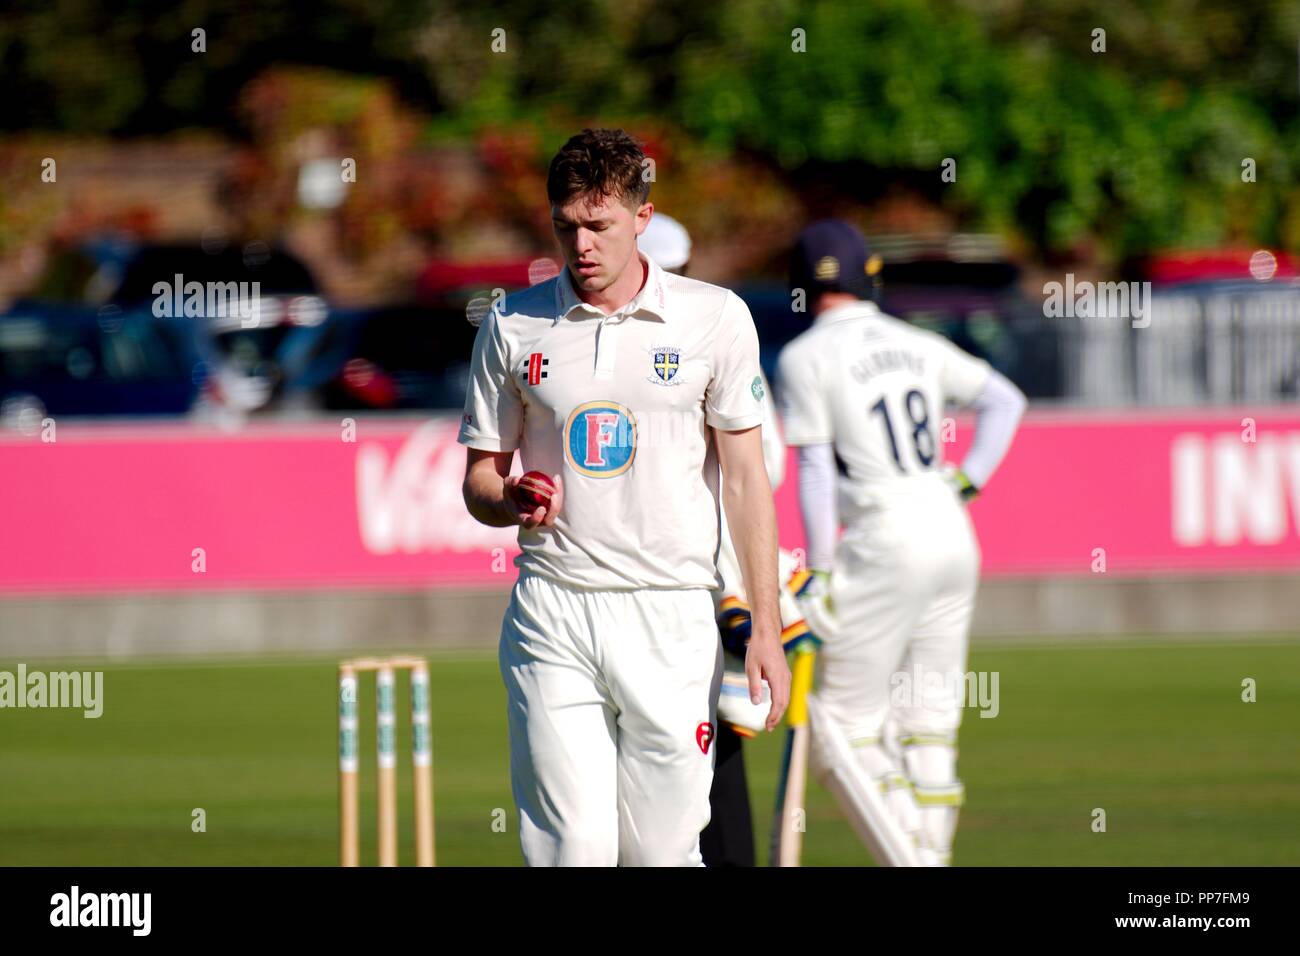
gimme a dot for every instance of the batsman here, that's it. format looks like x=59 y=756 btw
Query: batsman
x=863 y=395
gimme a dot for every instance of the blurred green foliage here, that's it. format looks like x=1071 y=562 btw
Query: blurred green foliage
x=1133 y=148
x=1138 y=146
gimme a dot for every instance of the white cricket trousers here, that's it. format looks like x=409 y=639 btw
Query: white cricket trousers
x=903 y=589
x=611 y=698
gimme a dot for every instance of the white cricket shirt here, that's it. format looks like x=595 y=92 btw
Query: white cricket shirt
x=619 y=404
x=874 y=387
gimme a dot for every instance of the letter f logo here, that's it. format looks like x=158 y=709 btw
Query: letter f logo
x=600 y=433
x=600 y=439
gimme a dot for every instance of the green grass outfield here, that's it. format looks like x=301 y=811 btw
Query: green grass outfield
x=1156 y=735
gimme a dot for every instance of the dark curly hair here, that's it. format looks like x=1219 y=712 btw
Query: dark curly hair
x=599 y=163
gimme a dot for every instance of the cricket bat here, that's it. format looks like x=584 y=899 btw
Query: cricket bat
x=789 y=823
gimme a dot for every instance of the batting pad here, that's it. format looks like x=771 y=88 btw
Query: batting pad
x=859 y=796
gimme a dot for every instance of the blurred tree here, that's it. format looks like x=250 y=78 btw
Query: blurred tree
x=1133 y=148
x=130 y=68
x=1051 y=139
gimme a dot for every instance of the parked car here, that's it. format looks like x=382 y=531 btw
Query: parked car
x=264 y=335
x=416 y=355
x=406 y=357
x=280 y=346
x=62 y=361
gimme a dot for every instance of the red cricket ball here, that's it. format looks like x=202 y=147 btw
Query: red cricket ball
x=535 y=489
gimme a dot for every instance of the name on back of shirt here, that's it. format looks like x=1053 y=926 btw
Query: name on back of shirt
x=887 y=360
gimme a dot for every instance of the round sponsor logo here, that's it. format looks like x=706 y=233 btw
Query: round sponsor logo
x=600 y=439
x=756 y=387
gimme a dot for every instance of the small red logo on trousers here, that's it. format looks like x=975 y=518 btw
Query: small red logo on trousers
x=704 y=735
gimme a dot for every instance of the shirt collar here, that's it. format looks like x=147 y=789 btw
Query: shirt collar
x=848 y=310
x=652 y=299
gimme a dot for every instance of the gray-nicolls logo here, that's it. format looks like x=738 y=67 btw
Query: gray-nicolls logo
x=74 y=908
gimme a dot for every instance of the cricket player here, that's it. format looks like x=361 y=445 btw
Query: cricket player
x=630 y=386
x=728 y=840
x=863 y=396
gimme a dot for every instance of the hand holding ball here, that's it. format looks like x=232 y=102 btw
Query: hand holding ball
x=535 y=490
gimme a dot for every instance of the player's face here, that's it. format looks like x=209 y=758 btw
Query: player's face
x=598 y=238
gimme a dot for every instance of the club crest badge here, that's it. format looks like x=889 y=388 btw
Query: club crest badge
x=665 y=361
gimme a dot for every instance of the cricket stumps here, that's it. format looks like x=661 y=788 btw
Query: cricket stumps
x=386 y=759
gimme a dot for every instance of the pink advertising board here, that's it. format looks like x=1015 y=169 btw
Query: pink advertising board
x=107 y=508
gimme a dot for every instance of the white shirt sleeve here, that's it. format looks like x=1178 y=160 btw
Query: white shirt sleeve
x=494 y=412
x=733 y=400
x=817 y=503
x=804 y=411
x=998 y=408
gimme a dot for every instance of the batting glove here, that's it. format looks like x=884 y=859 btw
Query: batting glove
x=964 y=487
x=813 y=595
